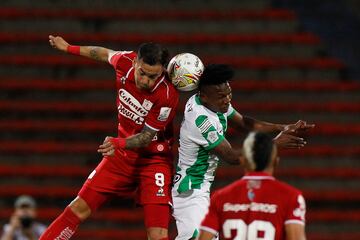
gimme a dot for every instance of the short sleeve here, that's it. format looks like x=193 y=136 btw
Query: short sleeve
x=296 y=211
x=114 y=57
x=163 y=112
x=211 y=222
x=210 y=137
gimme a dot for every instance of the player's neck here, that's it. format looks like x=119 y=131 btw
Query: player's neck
x=269 y=171
x=207 y=106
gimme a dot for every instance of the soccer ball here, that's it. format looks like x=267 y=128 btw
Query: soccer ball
x=185 y=70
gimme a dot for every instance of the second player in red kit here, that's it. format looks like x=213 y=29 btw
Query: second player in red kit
x=257 y=206
x=140 y=157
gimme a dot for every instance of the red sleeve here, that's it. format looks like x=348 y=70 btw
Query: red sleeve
x=163 y=112
x=211 y=222
x=116 y=56
x=297 y=209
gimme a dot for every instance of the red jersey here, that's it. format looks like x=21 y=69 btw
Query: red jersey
x=155 y=108
x=255 y=207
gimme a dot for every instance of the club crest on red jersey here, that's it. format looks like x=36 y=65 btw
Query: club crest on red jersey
x=164 y=113
x=147 y=104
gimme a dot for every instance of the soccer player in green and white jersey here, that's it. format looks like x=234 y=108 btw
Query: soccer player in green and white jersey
x=203 y=142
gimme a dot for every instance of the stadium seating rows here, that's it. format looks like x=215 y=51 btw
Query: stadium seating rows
x=274 y=14
x=199 y=38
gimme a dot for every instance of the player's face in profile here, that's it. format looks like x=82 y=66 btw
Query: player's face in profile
x=218 y=97
x=145 y=74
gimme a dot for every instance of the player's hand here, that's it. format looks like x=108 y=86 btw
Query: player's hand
x=14 y=222
x=58 y=43
x=108 y=147
x=285 y=140
x=298 y=128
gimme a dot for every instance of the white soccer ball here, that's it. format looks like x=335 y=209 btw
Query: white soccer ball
x=185 y=70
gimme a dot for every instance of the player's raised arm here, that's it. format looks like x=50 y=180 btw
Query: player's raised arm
x=289 y=135
x=252 y=124
x=93 y=52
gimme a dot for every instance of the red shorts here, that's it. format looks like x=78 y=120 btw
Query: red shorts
x=118 y=175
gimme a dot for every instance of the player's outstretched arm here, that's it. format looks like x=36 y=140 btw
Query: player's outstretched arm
x=295 y=232
x=93 y=52
x=245 y=123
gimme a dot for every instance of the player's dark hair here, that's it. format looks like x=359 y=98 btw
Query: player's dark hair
x=260 y=147
x=153 y=53
x=216 y=74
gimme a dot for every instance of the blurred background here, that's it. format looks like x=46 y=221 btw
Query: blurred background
x=293 y=60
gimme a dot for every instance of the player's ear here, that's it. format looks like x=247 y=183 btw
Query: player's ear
x=242 y=161
x=203 y=97
x=134 y=62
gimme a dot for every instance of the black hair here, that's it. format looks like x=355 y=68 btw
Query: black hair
x=216 y=74
x=153 y=53
x=260 y=149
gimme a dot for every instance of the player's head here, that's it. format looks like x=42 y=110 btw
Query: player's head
x=149 y=64
x=214 y=89
x=260 y=152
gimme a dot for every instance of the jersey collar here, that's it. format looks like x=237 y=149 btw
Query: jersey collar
x=197 y=99
x=257 y=176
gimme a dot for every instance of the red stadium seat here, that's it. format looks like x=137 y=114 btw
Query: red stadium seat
x=168 y=38
x=107 y=14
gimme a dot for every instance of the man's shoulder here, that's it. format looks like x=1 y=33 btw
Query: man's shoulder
x=129 y=55
x=122 y=59
x=193 y=109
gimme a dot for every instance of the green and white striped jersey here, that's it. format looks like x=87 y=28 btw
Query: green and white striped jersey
x=201 y=131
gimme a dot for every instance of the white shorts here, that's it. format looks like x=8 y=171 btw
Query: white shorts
x=189 y=210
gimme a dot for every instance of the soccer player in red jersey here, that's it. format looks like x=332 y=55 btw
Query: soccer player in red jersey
x=258 y=206
x=140 y=157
